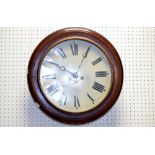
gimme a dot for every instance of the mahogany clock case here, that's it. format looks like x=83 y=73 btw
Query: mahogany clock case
x=82 y=34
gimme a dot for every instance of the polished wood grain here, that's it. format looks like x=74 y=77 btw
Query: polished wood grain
x=54 y=39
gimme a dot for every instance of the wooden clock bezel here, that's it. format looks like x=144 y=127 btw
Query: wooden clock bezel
x=82 y=34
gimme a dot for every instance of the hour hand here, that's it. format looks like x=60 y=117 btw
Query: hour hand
x=55 y=64
x=62 y=68
x=49 y=60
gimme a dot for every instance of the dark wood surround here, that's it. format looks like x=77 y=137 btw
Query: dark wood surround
x=54 y=39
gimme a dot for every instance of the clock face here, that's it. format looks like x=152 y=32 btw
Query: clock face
x=75 y=76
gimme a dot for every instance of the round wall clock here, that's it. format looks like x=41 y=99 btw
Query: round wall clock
x=75 y=75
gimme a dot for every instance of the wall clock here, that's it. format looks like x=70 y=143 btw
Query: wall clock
x=75 y=75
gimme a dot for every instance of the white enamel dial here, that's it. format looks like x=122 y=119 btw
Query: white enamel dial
x=75 y=76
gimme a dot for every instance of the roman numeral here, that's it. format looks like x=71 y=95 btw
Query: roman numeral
x=97 y=61
x=90 y=98
x=62 y=53
x=74 y=48
x=101 y=74
x=76 y=102
x=53 y=89
x=63 y=99
x=98 y=87
x=85 y=54
x=51 y=76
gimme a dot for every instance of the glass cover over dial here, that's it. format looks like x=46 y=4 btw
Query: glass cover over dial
x=75 y=76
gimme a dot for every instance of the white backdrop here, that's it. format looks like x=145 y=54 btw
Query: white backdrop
x=135 y=106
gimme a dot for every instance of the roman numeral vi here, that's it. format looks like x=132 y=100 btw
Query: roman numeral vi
x=76 y=102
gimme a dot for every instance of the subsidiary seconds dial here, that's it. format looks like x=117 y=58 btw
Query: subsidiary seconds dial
x=75 y=76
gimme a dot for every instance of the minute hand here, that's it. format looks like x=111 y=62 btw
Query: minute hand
x=84 y=56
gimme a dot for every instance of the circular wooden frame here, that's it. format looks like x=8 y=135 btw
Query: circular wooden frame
x=82 y=34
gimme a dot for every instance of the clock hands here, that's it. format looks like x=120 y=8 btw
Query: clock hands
x=54 y=64
x=62 y=68
x=83 y=57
